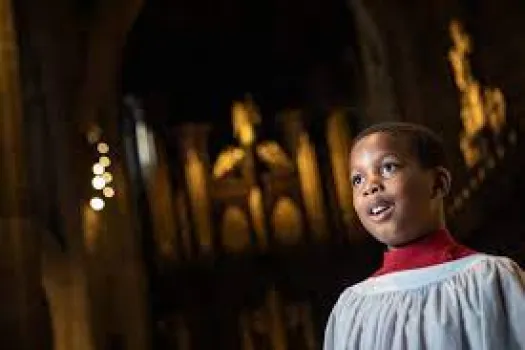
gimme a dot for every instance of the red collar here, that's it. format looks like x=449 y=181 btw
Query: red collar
x=436 y=248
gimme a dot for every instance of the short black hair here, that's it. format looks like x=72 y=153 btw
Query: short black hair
x=427 y=146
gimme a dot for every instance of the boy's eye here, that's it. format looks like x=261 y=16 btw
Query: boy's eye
x=388 y=169
x=356 y=180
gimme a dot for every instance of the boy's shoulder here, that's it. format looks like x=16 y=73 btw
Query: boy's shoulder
x=404 y=281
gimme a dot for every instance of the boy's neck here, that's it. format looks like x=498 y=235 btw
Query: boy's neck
x=431 y=249
x=428 y=233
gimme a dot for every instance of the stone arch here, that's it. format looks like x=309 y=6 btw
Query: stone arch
x=235 y=230
x=287 y=221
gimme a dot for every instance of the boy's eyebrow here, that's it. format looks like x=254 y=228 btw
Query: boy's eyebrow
x=388 y=154
x=378 y=159
x=391 y=154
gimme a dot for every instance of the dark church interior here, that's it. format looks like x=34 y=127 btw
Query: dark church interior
x=176 y=173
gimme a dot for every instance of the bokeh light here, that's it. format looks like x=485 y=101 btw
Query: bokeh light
x=96 y=203
x=98 y=183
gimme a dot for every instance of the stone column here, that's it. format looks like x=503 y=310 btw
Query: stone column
x=193 y=146
x=305 y=156
x=338 y=142
x=21 y=295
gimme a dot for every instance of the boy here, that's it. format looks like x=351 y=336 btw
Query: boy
x=431 y=292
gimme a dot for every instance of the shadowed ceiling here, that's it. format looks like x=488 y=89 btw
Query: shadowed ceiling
x=190 y=59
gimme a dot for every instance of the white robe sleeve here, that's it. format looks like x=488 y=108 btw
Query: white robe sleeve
x=335 y=337
x=504 y=306
x=330 y=333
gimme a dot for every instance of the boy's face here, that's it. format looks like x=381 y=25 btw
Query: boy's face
x=393 y=195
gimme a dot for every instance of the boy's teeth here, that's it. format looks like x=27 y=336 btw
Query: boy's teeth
x=376 y=210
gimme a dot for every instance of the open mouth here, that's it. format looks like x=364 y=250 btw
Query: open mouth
x=380 y=210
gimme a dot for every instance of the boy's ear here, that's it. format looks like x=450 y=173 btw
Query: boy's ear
x=443 y=182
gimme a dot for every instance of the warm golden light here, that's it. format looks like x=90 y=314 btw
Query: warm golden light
x=104 y=161
x=287 y=221
x=227 y=161
x=241 y=124
x=338 y=137
x=256 y=205
x=98 y=182
x=471 y=153
x=244 y=117
x=495 y=108
x=480 y=106
x=98 y=169
x=108 y=192
x=271 y=153
x=310 y=184
x=103 y=148
x=107 y=177
x=96 y=203
x=235 y=230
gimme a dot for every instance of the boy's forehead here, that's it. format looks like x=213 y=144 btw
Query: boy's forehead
x=379 y=143
x=383 y=142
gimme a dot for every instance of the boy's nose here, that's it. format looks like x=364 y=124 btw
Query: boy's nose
x=372 y=187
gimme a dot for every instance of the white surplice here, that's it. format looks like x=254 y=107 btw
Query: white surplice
x=476 y=302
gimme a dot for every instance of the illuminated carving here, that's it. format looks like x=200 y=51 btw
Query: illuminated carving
x=244 y=119
x=235 y=230
x=242 y=157
x=480 y=107
x=287 y=221
x=227 y=161
x=495 y=108
x=471 y=152
x=274 y=156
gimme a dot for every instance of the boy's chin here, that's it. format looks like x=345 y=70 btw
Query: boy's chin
x=397 y=240
x=395 y=243
x=392 y=238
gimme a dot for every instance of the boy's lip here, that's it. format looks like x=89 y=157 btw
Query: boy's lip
x=380 y=209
